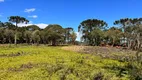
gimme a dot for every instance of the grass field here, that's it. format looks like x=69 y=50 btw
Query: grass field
x=57 y=63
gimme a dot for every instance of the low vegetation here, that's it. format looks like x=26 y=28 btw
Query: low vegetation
x=132 y=59
x=59 y=63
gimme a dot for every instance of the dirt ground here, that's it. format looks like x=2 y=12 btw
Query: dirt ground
x=105 y=52
x=96 y=49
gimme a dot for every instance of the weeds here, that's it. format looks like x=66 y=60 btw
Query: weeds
x=53 y=63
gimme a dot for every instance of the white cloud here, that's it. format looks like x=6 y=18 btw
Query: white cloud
x=33 y=16
x=21 y=24
x=41 y=25
x=30 y=22
x=1 y=0
x=78 y=36
x=30 y=10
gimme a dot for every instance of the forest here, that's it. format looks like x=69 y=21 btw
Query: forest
x=127 y=32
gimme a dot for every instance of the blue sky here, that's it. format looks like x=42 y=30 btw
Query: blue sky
x=69 y=13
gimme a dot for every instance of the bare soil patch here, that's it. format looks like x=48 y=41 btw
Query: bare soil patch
x=105 y=52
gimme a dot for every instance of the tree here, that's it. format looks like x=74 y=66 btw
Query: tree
x=36 y=36
x=68 y=32
x=123 y=23
x=9 y=25
x=55 y=33
x=9 y=34
x=73 y=37
x=17 y=20
x=131 y=30
x=97 y=36
x=114 y=35
x=27 y=36
x=2 y=35
x=87 y=26
x=32 y=28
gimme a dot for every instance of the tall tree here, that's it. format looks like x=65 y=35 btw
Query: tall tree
x=36 y=36
x=9 y=34
x=17 y=20
x=131 y=31
x=68 y=32
x=97 y=36
x=9 y=25
x=32 y=27
x=73 y=37
x=123 y=23
x=55 y=33
x=114 y=35
x=2 y=31
x=87 y=26
x=27 y=36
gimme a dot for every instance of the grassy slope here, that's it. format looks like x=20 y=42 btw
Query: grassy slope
x=53 y=63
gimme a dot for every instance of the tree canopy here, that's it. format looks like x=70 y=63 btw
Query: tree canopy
x=95 y=32
x=88 y=26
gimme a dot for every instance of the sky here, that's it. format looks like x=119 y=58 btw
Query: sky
x=70 y=13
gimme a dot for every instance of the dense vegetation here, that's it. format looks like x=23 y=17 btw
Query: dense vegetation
x=53 y=34
x=128 y=33
x=94 y=32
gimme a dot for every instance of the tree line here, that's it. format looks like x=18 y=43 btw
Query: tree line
x=127 y=32
x=53 y=34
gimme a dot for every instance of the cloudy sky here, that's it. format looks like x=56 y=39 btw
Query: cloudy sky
x=69 y=13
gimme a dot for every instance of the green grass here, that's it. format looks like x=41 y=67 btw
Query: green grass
x=54 y=63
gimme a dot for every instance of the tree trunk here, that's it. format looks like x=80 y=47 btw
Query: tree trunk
x=9 y=40
x=53 y=42
x=15 y=36
x=129 y=44
x=113 y=42
x=138 y=41
x=26 y=41
x=138 y=44
x=15 y=39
